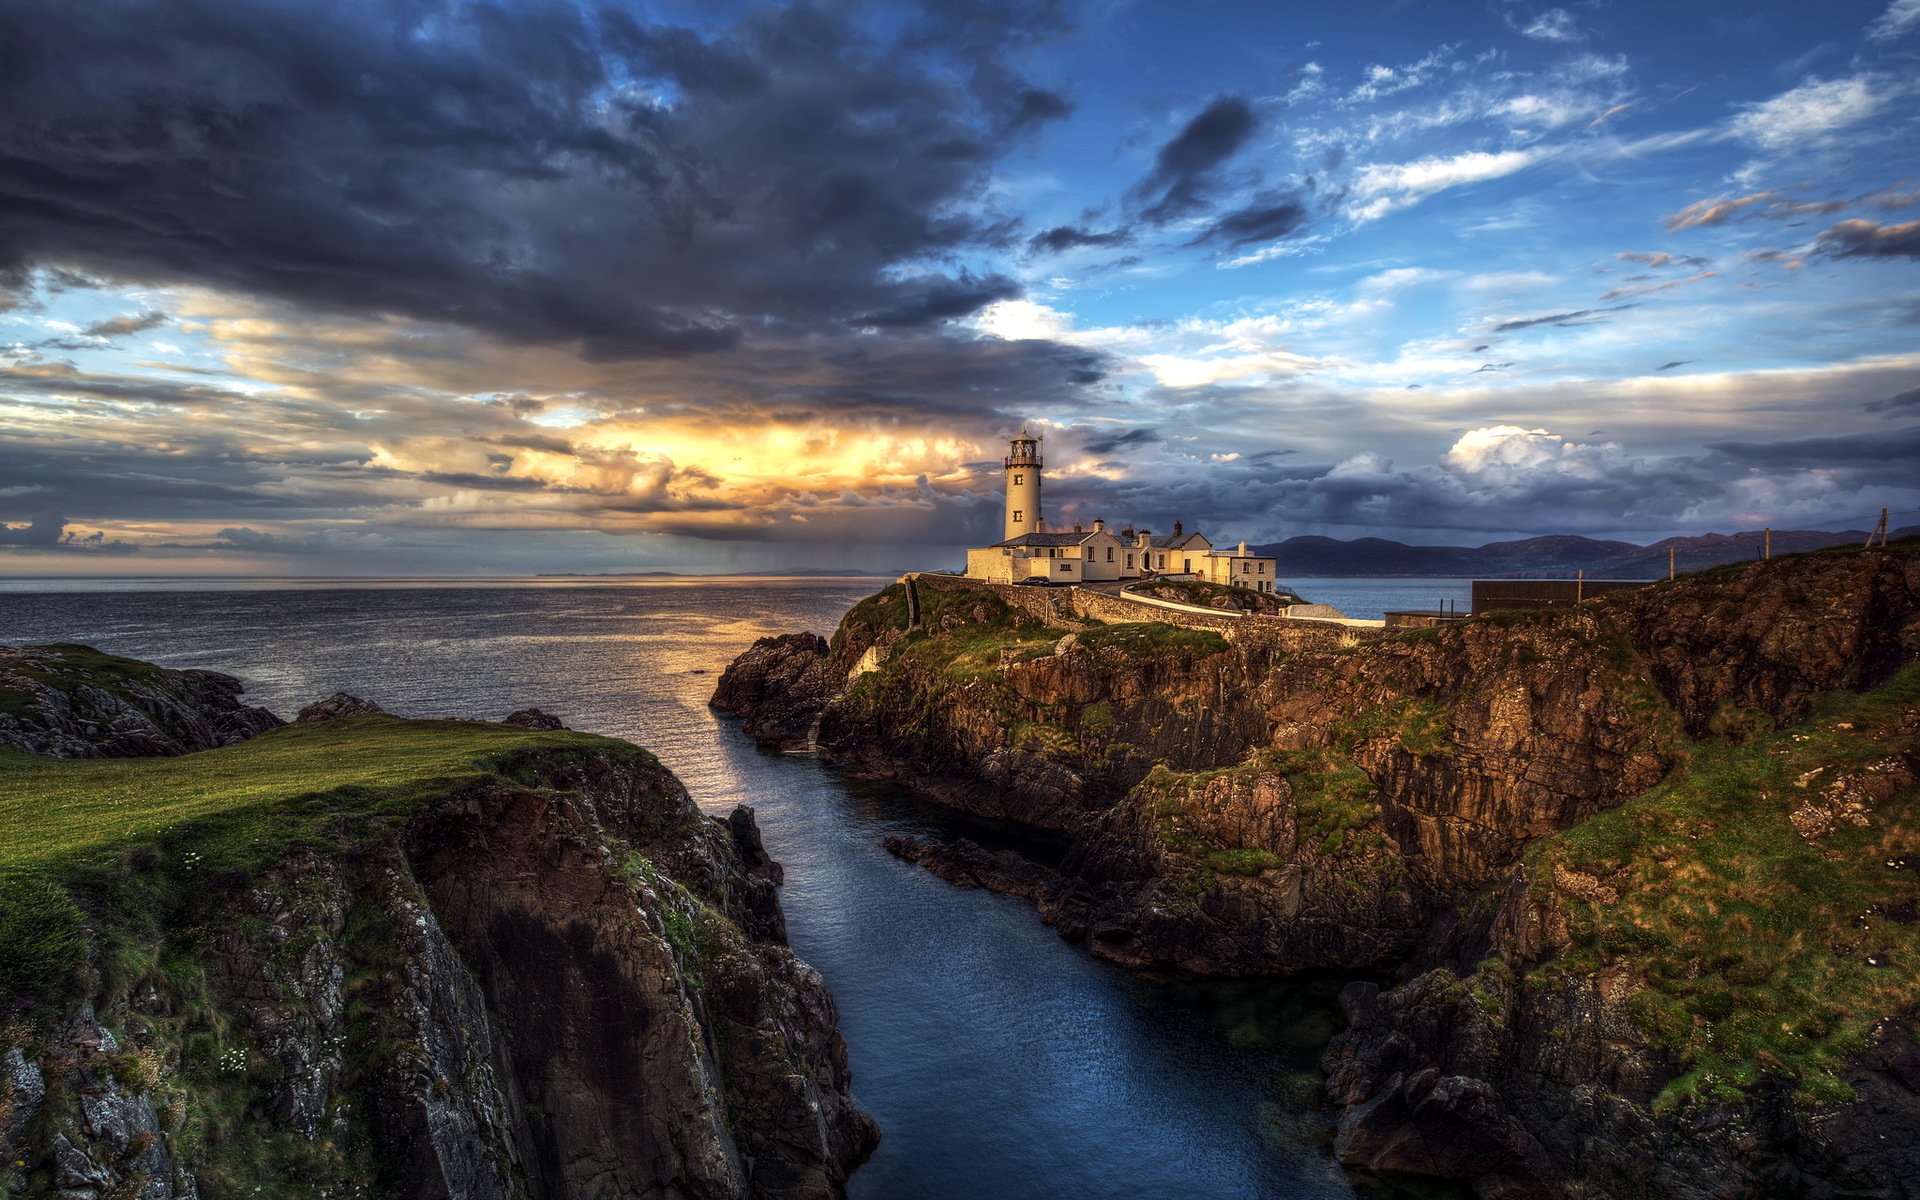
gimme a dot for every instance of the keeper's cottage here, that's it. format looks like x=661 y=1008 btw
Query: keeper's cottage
x=1029 y=550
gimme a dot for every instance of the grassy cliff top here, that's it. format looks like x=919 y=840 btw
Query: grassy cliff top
x=1762 y=903
x=70 y=825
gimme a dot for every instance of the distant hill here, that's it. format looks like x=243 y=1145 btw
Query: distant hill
x=1541 y=557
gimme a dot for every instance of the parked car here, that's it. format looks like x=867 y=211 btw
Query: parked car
x=1033 y=581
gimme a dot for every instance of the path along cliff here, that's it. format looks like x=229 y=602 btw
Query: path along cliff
x=360 y=955
x=1637 y=873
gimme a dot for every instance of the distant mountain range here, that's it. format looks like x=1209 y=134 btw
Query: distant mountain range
x=1542 y=557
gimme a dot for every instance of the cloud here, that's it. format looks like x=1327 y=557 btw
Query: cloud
x=1379 y=188
x=1811 y=112
x=1583 y=316
x=547 y=173
x=1898 y=402
x=1864 y=239
x=1553 y=25
x=1648 y=289
x=1183 y=177
x=1900 y=17
x=1770 y=205
x=1654 y=260
x=1121 y=441
x=1061 y=238
x=1268 y=217
x=138 y=322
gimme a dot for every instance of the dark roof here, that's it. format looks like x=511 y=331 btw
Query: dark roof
x=1174 y=541
x=1047 y=539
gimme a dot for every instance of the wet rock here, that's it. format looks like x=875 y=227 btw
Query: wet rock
x=336 y=706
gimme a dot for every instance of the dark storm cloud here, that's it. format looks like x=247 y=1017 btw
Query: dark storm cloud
x=44 y=530
x=1864 y=239
x=1888 y=456
x=1121 y=441
x=1898 y=402
x=537 y=170
x=1071 y=237
x=932 y=298
x=1184 y=176
x=1584 y=316
x=1269 y=217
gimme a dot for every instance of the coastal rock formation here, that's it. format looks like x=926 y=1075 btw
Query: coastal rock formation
x=551 y=976
x=779 y=687
x=75 y=702
x=337 y=706
x=1244 y=806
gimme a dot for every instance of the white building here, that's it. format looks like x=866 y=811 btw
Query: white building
x=1029 y=550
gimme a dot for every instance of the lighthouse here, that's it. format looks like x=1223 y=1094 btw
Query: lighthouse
x=1023 y=486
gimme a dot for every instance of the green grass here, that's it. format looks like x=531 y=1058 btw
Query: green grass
x=1751 y=945
x=1154 y=638
x=69 y=826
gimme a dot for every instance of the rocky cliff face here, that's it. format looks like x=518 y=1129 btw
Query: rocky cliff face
x=1239 y=808
x=75 y=702
x=559 y=980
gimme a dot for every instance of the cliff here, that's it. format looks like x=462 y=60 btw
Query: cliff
x=1238 y=806
x=368 y=955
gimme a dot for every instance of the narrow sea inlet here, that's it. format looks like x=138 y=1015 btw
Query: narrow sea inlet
x=999 y=1060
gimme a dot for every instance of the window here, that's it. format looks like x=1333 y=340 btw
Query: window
x=1263 y=568
x=1065 y=565
x=1163 y=562
x=1186 y=567
x=1109 y=553
x=1018 y=479
x=1129 y=560
x=1018 y=516
x=1246 y=568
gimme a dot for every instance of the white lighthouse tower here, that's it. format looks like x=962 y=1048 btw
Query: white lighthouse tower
x=1023 y=486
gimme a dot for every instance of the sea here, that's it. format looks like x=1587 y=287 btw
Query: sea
x=999 y=1060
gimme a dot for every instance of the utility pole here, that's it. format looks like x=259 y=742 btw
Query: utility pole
x=1669 y=564
x=1768 y=552
x=1580 y=586
x=1879 y=531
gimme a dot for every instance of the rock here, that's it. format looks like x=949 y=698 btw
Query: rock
x=336 y=706
x=23 y=1088
x=779 y=685
x=75 y=702
x=533 y=718
x=968 y=864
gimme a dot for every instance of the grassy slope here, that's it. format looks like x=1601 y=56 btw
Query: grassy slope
x=68 y=825
x=1752 y=951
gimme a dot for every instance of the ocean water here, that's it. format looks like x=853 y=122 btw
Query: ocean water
x=1000 y=1061
x=1370 y=598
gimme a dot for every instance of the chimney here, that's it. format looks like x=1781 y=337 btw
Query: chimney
x=1077 y=529
x=1041 y=525
x=1243 y=547
x=1099 y=524
x=1176 y=529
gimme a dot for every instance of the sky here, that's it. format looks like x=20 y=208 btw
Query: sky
x=417 y=287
